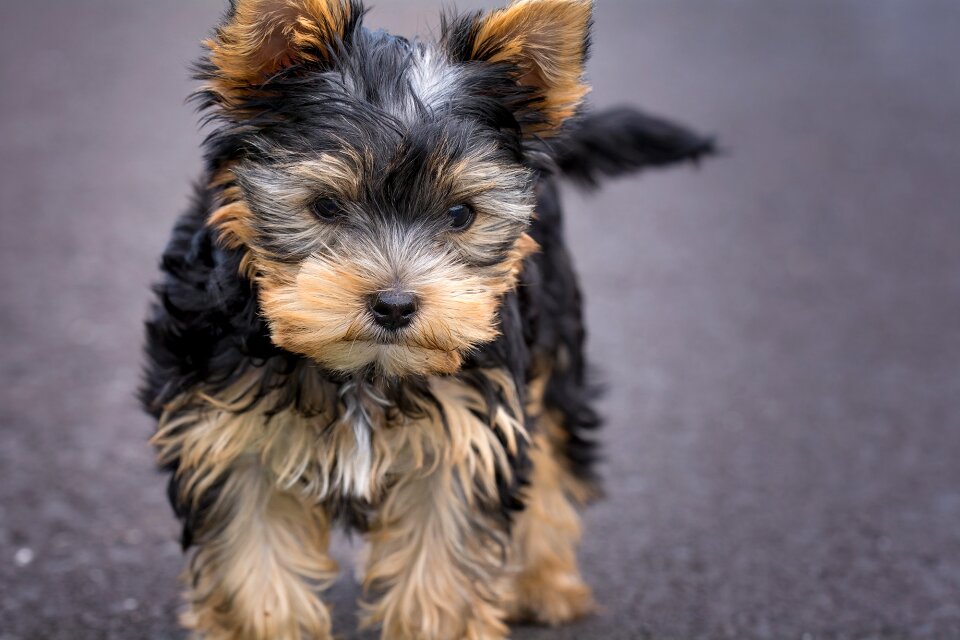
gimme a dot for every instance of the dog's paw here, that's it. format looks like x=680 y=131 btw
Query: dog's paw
x=551 y=599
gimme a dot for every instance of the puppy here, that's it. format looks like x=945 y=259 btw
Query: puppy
x=368 y=316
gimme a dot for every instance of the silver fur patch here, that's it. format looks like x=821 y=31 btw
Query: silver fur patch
x=353 y=474
x=432 y=79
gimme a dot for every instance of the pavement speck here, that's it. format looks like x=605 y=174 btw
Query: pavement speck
x=23 y=556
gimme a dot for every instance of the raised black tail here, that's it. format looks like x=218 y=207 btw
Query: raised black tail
x=621 y=140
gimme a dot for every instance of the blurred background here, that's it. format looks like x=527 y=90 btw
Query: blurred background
x=780 y=329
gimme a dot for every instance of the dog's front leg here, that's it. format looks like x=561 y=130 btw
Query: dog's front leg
x=436 y=563
x=261 y=557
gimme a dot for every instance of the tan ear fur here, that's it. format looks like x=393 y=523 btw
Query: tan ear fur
x=547 y=40
x=261 y=37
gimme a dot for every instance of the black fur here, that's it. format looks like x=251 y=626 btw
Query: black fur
x=622 y=140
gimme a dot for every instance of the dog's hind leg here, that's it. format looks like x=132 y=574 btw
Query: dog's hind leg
x=547 y=587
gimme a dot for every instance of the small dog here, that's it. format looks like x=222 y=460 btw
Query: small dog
x=369 y=316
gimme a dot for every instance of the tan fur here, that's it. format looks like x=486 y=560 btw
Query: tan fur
x=262 y=553
x=209 y=434
x=232 y=219
x=547 y=584
x=430 y=566
x=266 y=35
x=434 y=560
x=544 y=38
x=554 y=437
x=259 y=563
x=321 y=311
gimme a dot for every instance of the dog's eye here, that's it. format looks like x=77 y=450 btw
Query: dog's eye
x=460 y=216
x=327 y=209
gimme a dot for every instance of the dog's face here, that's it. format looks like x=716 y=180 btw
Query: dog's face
x=380 y=190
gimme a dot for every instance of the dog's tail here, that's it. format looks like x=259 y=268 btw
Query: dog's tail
x=622 y=140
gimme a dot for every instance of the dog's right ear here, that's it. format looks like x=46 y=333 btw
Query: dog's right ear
x=260 y=38
x=543 y=44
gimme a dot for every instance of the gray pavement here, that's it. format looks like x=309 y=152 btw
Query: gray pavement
x=780 y=330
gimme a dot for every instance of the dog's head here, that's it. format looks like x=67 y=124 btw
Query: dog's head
x=379 y=187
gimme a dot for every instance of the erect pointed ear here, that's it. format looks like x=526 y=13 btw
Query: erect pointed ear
x=260 y=37
x=545 y=41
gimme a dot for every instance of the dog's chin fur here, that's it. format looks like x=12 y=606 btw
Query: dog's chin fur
x=388 y=360
x=459 y=444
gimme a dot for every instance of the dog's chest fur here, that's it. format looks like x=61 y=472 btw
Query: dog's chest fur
x=357 y=453
x=374 y=441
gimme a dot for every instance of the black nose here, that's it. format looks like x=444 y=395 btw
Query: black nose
x=393 y=309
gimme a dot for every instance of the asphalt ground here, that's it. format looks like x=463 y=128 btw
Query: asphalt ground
x=779 y=330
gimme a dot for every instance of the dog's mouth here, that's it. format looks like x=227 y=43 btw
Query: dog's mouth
x=397 y=339
x=411 y=337
x=398 y=342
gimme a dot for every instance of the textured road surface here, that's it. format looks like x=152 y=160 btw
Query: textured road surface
x=780 y=330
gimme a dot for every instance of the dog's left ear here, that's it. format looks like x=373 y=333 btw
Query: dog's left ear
x=544 y=42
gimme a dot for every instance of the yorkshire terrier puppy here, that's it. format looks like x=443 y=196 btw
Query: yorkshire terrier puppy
x=368 y=316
